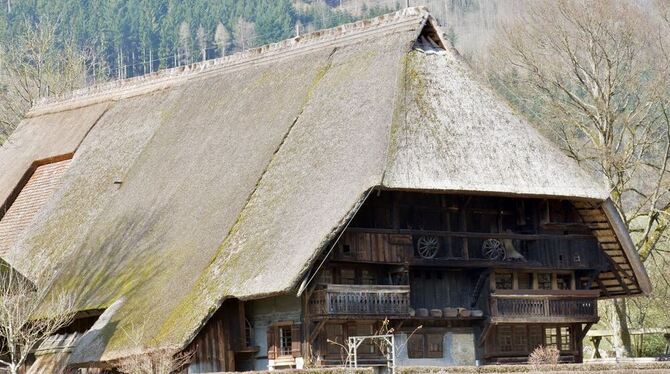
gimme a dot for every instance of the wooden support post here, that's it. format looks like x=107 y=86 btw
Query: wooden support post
x=596 y=344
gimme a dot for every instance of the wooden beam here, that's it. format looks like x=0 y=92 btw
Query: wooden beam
x=585 y=330
x=315 y=333
x=602 y=287
x=617 y=275
x=479 y=286
x=469 y=234
x=488 y=327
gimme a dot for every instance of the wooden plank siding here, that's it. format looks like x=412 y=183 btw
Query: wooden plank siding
x=215 y=345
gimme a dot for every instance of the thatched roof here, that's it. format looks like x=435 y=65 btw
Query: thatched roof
x=226 y=179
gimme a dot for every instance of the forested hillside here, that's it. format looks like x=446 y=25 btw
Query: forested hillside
x=145 y=35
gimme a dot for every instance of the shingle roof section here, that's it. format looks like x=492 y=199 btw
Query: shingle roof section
x=44 y=181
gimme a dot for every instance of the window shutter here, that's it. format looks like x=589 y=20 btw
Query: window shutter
x=272 y=343
x=296 y=340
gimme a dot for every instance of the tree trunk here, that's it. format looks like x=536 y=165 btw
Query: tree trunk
x=621 y=340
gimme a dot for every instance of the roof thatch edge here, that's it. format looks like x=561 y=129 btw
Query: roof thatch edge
x=163 y=79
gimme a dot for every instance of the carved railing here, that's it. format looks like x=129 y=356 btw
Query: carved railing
x=578 y=307
x=360 y=300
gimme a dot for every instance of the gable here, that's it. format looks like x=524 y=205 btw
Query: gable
x=454 y=134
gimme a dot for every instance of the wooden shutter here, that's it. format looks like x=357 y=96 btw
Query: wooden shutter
x=272 y=342
x=296 y=340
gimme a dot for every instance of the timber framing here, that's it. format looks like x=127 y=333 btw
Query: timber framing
x=360 y=168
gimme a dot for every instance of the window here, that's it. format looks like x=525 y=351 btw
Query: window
x=285 y=340
x=504 y=281
x=434 y=345
x=505 y=338
x=425 y=345
x=566 y=339
x=248 y=333
x=544 y=281
x=551 y=337
x=415 y=346
x=564 y=281
x=558 y=337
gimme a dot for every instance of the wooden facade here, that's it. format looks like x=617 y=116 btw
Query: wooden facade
x=514 y=273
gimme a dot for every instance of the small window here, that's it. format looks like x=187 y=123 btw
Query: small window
x=346 y=250
x=558 y=337
x=415 y=346
x=544 y=281
x=551 y=337
x=566 y=339
x=248 y=333
x=285 y=340
x=564 y=281
x=505 y=338
x=425 y=346
x=504 y=281
x=434 y=345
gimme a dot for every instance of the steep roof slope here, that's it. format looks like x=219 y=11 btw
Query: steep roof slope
x=226 y=179
x=455 y=134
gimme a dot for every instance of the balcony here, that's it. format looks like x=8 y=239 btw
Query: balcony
x=550 y=307
x=360 y=300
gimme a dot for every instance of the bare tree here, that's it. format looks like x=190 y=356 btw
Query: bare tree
x=33 y=65
x=596 y=76
x=184 y=42
x=221 y=38
x=161 y=361
x=201 y=36
x=30 y=310
x=244 y=34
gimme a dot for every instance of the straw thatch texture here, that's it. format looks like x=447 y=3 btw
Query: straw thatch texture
x=229 y=183
x=454 y=134
x=41 y=138
x=200 y=157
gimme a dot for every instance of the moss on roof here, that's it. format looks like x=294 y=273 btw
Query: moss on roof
x=229 y=181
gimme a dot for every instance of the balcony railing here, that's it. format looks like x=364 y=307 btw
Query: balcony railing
x=578 y=307
x=369 y=300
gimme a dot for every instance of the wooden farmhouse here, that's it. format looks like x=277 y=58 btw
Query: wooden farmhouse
x=265 y=209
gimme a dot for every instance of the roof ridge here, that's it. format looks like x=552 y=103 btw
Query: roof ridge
x=118 y=89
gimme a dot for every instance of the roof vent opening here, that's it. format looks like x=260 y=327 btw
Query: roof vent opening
x=429 y=40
